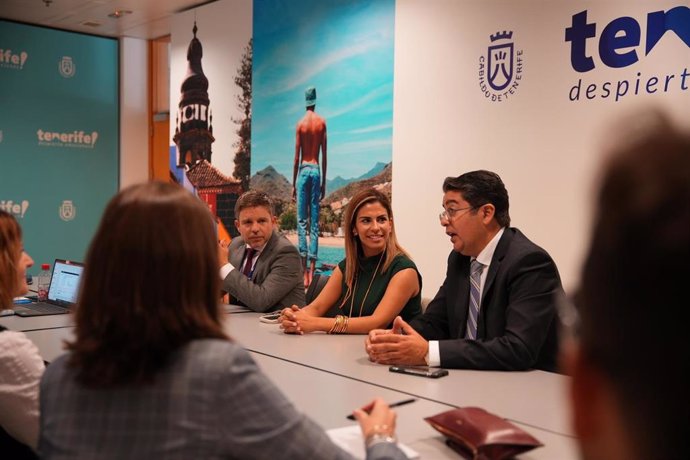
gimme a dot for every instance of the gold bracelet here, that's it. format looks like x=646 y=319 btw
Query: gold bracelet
x=343 y=325
x=338 y=320
x=340 y=325
x=333 y=327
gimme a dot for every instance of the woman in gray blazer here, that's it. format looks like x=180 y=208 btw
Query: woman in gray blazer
x=150 y=372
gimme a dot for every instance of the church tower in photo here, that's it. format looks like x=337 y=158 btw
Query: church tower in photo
x=193 y=138
x=193 y=124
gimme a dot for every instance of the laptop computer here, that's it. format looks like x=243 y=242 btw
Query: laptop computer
x=62 y=292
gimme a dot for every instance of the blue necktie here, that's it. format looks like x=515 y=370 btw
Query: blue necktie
x=476 y=269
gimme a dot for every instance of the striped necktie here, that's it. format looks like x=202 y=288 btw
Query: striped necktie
x=476 y=269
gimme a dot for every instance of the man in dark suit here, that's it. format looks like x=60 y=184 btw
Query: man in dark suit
x=260 y=269
x=496 y=307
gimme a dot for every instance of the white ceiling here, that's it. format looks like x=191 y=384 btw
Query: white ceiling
x=149 y=19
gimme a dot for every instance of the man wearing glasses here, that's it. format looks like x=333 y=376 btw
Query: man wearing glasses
x=496 y=307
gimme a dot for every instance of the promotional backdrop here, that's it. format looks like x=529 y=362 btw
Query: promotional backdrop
x=59 y=157
x=530 y=90
x=575 y=69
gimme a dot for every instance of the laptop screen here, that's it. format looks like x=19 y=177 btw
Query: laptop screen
x=64 y=283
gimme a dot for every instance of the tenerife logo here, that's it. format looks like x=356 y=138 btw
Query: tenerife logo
x=16 y=209
x=12 y=60
x=67 y=67
x=619 y=47
x=500 y=71
x=67 y=210
x=76 y=139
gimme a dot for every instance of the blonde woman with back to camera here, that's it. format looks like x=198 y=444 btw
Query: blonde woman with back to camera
x=151 y=373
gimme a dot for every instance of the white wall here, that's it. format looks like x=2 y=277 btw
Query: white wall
x=545 y=147
x=134 y=131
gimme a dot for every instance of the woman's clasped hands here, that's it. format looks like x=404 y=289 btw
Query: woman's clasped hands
x=295 y=321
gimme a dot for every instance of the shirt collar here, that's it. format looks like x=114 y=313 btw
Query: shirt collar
x=487 y=253
x=258 y=251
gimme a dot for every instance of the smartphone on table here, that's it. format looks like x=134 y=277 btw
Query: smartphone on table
x=421 y=371
x=271 y=318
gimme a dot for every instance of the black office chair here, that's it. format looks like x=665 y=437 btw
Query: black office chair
x=11 y=448
x=317 y=283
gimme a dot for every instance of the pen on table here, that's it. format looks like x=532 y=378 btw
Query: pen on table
x=395 y=404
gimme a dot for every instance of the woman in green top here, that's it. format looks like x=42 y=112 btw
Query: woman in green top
x=376 y=282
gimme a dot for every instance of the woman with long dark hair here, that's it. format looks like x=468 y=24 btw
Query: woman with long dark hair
x=151 y=373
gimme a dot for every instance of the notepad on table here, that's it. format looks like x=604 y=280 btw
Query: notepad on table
x=349 y=438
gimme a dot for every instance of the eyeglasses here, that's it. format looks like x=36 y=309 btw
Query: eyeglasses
x=449 y=214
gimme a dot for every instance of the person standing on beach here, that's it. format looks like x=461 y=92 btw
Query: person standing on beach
x=309 y=182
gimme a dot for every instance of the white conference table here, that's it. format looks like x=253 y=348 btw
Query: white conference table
x=326 y=376
x=533 y=398
x=34 y=323
x=328 y=397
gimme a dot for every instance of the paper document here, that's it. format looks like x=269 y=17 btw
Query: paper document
x=349 y=438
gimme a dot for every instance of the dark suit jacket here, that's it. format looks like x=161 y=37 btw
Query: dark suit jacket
x=517 y=326
x=277 y=281
x=210 y=401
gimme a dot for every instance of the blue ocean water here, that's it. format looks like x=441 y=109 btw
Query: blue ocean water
x=328 y=255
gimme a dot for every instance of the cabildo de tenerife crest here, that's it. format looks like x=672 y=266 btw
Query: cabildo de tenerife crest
x=67 y=67
x=500 y=69
x=67 y=210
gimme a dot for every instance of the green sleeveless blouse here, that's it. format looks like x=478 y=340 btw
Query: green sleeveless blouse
x=362 y=306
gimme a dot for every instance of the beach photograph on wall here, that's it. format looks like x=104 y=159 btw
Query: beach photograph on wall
x=322 y=114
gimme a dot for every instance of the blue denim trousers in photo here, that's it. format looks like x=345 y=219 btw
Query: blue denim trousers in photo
x=308 y=197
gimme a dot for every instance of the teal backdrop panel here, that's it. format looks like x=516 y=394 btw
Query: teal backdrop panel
x=59 y=136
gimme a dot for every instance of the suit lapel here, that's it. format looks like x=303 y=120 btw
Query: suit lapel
x=236 y=257
x=259 y=268
x=463 y=295
x=499 y=254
